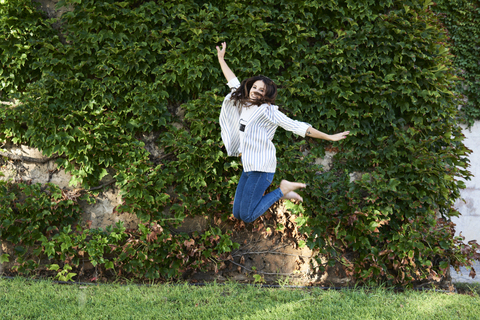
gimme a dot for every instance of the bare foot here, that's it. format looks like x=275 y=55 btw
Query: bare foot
x=287 y=186
x=292 y=195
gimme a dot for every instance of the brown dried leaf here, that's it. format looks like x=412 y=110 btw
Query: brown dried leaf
x=157 y=228
x=151 y=237
x=472 y=273
x=383 y=222
x=268 y=232
x=242 y=260
x=352 y=219
x=189 y=243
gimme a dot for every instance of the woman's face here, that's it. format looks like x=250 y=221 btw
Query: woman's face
x=258 y=88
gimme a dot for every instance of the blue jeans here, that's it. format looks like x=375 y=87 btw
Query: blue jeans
x=250 y=203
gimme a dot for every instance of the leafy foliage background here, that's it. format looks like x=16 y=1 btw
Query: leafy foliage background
x=116 y=69
x=462 y=20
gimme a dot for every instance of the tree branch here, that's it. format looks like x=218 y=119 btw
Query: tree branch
x=27 y=159
x=103 y=185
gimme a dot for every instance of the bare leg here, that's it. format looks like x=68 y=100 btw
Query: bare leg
x=287 y=186
x=292 y=195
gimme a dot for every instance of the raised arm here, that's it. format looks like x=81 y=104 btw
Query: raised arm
x=314 y=133
x=221 y=58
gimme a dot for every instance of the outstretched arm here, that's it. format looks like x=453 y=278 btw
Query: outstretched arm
x=314 y=133
x=226 y=70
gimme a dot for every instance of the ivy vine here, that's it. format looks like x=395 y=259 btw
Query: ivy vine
x=462 y=21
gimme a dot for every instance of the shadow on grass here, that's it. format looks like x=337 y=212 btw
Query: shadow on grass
x=468 y=288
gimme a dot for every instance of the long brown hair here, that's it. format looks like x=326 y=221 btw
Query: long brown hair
x=241 y=96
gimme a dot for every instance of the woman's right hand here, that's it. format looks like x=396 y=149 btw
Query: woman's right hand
x=229 y=75
x=221 y=52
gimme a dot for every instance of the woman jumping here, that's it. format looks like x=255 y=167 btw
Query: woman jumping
x=248 y=120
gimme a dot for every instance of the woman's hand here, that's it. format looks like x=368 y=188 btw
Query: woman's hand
x=339 y=136
x=229 y=75
x=314 y=133
x=221 y=52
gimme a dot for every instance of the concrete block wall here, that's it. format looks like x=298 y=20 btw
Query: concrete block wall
x=468 y=224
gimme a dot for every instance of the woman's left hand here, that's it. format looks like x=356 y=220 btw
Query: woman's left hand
x=314 y=133
x=339 y=136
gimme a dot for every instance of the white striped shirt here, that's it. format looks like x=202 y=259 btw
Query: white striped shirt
x=258 y=152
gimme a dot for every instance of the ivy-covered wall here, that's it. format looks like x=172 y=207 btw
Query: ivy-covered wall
x=85 y=90
x=462 y=21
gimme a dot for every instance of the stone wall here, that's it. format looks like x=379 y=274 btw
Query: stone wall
x=468 y=224
x=273 y=255
x=22 y=168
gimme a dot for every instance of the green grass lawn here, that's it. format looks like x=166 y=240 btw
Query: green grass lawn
x=23 y=299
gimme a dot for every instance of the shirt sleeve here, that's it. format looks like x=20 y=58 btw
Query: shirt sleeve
x=233 y=83
x=280 y=119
